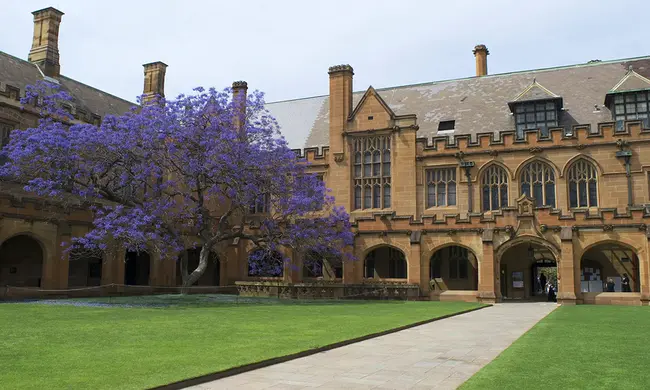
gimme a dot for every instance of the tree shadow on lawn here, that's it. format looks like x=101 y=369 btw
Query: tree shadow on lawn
x=202 y=301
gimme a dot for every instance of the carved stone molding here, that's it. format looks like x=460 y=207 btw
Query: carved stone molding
x=493 y=152
x=535 y=150
x=608 y=228
x=339 y=156
x=580 y=146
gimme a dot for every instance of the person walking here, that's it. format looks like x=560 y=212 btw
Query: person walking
x=625 y=282
x=542 y=281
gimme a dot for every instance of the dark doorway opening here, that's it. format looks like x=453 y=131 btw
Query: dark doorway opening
x=543 y=274
x=136 y=269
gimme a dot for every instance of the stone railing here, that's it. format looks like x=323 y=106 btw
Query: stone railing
x=330 y=290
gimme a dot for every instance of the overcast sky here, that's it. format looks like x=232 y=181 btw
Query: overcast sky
x=284 y=47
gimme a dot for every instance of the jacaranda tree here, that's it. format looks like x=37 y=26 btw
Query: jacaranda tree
x=205 y=168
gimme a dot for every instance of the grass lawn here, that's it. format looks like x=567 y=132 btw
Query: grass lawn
x=70 y=347
x=576 y=347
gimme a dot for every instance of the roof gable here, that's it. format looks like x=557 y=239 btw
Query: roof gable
x=535 y=91
x=632 y=81
x=371 y=112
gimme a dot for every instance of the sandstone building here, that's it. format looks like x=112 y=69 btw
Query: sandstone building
x=463 y=189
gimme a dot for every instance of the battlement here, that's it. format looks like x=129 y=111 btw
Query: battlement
x=577 y=136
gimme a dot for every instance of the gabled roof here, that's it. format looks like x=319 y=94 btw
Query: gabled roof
x=19 y=73
x=632 y=81
x=535 y=92
x=371 y=92
x=477 y=104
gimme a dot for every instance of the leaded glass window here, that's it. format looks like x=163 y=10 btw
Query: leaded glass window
x=372 y=173
x=583 y=184
x=538 y=182
x=536 y=115
x=494 y=188
x=631 y=106
x=441 y=187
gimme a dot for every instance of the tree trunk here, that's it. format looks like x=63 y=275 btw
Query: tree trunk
x=189 y=280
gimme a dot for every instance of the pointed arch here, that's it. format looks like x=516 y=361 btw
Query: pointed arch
x=518 y=169
x=494 y=181
x=582 y=177
x=537 y=179
x=577 y=157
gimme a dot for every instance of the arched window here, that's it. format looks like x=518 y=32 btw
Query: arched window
x=538 y=182
x=582 y=179
x=494 y=186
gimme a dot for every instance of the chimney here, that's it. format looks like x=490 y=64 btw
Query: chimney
x=239 y=96
x=481 y=52
x=154 y=81
x=45 y=46
x=340 y=104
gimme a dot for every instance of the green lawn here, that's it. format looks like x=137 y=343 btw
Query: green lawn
x=69 y=347
x=576 y=347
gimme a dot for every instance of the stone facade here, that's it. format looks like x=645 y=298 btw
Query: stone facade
x=434 y=217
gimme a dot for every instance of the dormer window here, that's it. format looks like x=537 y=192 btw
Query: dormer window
x=540 y=115
x=631 y=106
x=536 y=108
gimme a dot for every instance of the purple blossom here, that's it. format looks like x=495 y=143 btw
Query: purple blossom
x=202 y=166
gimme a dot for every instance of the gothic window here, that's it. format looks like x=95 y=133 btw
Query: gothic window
x=631 y=106
x=5 y=131
x=536 y=115
x=372 y=173
x=538 y=182
x=441 y=187
x=582 y=179
x=494 y=188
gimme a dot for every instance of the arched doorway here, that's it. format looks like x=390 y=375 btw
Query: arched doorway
x=211 y=275
x=84 y=267
x=385 y=262
x=453 y=268
x=611 y=262
x=136 y=268
x=526 y=270
x=21 y=262
x=319 y=265
x=263 y=263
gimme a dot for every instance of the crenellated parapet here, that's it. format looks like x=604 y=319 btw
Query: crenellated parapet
x=313 y=156
x=577 y=136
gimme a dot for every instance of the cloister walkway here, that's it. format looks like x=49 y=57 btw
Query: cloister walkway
x=441 y=355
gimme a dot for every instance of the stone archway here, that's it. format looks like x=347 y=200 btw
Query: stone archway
x=21 y=262
x=211 y=275
x=385 y=262
x=453 y=267
x=526 y=265
x=137 y=267
x=609 y=261
x=322 y=265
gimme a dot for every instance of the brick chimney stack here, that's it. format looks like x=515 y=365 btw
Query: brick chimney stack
x=481 y=52
x=45 y=45
x=239 y=96
x=154 y=81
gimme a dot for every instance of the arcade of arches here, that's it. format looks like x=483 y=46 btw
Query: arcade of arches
x=581 y=268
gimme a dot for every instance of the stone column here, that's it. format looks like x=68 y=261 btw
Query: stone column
x=566 y=274
x=414 y=261
x=488 y=291
x=644 y=275
x=52 y=262
x=113 y=266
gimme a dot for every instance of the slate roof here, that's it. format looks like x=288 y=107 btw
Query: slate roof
x=19 y=73
x=477 y=104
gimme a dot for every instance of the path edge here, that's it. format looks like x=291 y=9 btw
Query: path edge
x=281 y=359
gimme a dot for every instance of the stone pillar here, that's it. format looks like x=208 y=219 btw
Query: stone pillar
x=644 y=276
x=64 y=234
x=488 y=282
x=163 y=271
x=349 y=266
x=113 y=266
x=566 y=274
x=414 y=261
x=52 y=263
x=297 y=259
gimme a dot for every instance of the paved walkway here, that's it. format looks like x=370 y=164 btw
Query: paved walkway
x=439 y=355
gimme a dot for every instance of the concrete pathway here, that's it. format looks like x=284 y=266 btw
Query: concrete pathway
x=439 y=355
